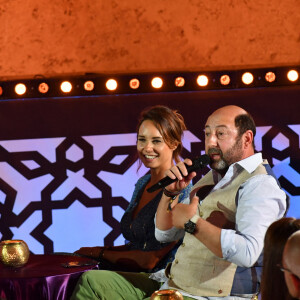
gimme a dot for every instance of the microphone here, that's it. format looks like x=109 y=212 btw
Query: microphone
x=198 y=163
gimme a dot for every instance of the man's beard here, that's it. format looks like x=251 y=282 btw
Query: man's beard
x=231 y=156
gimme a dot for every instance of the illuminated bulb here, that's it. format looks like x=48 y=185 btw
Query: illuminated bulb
x=134 y=83
x=111 y=84
x=157 y=82
x=20 y=89
x=292 y=75
x=202 y=80
x=247 y=78
x=1 y=90
x=179 y=81
x=66 y=87
x=225 y=79
x=43 y=88
x=88 y=85
x=270 y=77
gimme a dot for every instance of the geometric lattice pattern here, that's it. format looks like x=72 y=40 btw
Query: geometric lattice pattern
x=59 y=194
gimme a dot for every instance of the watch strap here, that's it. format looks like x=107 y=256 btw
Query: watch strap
x=195 y=218
x=190 y=225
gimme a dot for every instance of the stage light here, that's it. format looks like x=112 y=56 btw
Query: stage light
x=292 y=75
x=81 y=85
x=43 y=88
x=111 y=84
x=20 y=89
x=202 y=80
x=225 y=79
x=134 y=83
x=88 y=85
x=66 y=87
x=247 y=78
x=270 y=77
x=179 y=81
x=157 y=82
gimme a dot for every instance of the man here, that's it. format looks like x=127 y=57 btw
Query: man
x=223 y=233
x=291 y=264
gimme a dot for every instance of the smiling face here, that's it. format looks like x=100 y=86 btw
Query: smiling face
x=152 y=149
x=222 y=141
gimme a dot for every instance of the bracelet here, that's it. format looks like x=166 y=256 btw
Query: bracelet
x=170 y=194
x=173 y=196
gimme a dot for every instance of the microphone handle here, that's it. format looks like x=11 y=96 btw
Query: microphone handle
x=161 y=184
x=167 y=180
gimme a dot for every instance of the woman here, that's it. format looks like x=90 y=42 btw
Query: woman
x=159 y=134
x=273 y=286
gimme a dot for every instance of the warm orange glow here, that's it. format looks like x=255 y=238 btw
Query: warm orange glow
x=66 y=87
x=270 y=77
x=292 y=75
x=157 y=82
x=179 y=81
x=20 y=89
x=111 y=84
x=225 y=79
x=134 y=83
x=88 y=85
x=1 y=90
x=202 y=80
x=247 y=78
x=43 y=87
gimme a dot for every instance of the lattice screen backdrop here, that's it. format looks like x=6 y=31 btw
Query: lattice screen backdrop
x=68 y=166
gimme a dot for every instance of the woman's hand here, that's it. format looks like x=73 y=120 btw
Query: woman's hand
x=93 y=252
x=180 y=173
x=138 y=259
x=97 y=250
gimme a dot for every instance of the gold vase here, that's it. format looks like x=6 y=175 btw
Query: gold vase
x=14 y=253
x=166 y=295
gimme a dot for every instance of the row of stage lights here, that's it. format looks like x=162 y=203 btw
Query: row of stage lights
x=210 y=80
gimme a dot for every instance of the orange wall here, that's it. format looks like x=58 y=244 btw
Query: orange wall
x=78 y=36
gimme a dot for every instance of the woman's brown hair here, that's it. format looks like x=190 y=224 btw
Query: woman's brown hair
x=273 y=285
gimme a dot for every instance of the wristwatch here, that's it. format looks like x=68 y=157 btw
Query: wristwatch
x=190 y=225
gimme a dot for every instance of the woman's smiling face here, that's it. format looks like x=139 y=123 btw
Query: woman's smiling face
x=152 y=149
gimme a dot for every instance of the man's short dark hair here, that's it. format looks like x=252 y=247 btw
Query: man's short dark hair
x=243 y=123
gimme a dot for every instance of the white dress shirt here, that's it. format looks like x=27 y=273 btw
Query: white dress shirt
x=260 y=203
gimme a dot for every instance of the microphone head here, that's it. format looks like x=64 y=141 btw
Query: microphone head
x=198 y=163
x=202 y=161
x=205 y=159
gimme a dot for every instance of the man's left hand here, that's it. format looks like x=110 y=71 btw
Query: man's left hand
x=181 y=213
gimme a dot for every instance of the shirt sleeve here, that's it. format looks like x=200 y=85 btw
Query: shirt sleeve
x=260 y=203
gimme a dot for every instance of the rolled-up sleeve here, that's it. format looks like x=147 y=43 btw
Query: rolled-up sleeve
x=170 y=235
x=260 y=203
